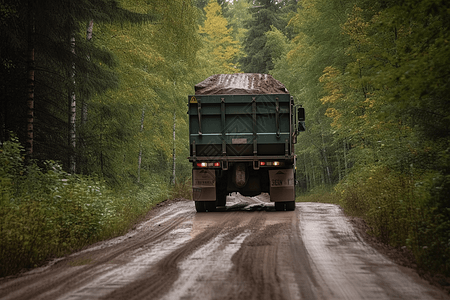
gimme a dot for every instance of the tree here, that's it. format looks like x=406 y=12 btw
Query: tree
x=266 y=13
x=317 y=43
x=129 y=134
x=219 y=44
x=52 y=26
x=238 y=15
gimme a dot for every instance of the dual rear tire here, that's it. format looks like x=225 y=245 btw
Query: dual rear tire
x=285 y=206
x=204 y=206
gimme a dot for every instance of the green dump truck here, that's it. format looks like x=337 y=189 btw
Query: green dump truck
x=242 y=131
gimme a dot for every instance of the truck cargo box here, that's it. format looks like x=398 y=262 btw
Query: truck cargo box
x=238 y=115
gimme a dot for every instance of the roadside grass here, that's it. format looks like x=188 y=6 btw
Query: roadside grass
x=182 y=189
x=322 y=196
x=46 y=212
x=402 y=210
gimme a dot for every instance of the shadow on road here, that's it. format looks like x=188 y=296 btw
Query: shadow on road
x=243 y=206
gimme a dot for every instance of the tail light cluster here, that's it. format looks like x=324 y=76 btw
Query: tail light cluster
x=218 y=164
x=271 y=163
x=209 y=164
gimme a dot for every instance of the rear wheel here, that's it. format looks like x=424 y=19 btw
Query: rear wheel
x=290 y=205
x=210 y=205
x=285 y=206
x=200 y=206
x=279 y=206
x=221 y=199
x=204 y=206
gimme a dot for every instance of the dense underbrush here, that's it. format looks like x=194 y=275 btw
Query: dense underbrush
x=46 y=212
x=402 y=210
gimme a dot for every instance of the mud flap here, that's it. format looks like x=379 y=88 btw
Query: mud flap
x=204 y=185
x=282 y=185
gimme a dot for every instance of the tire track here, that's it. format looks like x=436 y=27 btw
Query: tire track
x=160 y=278
x=51 y=285
x=255 y=265
x=272 y=262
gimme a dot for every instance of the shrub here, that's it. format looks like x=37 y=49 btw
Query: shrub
x=401 y=211
x=47 y=212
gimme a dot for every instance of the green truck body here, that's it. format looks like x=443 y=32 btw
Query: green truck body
x=242 y=131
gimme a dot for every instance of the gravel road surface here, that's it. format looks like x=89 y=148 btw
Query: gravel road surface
x=244 y=251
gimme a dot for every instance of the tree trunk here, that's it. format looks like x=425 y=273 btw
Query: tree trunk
x=84 y=105
x=325 y=159
x=345 y=157
x=174 y=160
x=72 y=114
x=30 y=79
x=89 y=30
x=140 y=146
x=339 y=166
x=308 y=183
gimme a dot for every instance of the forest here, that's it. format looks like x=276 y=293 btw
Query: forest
x=94 y=98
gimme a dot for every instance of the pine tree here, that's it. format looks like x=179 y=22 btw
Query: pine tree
x=238 y=15
x=53 y=26
x=266 y=13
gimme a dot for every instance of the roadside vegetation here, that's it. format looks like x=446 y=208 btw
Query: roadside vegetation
x=372 y=77
x=46 y=212
x=325 y=195
x=402 y=210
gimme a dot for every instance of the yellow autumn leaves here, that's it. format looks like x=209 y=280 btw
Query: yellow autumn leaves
x=219 y=45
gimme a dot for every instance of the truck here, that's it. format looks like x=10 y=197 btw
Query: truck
x=242 y=132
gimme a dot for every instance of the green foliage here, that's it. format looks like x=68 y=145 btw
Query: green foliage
x=58 y=64
x=46 y=212
x=371 y=77
x=276 y=43
x=182 y=189
x=238 y=15
x=400 y=211
x=128 y=133
x=219 y=45
x=265 y=14
x=319 y=195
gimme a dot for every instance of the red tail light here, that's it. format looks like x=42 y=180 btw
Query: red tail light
x=208 y=164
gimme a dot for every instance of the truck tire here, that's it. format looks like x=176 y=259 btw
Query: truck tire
x=200 y=206
x=210 y=205
x=285 y=206
x=221 y=199
x=290 y=205
x=204 y=206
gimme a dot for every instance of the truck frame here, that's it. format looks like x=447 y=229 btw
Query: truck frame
x=242 y=131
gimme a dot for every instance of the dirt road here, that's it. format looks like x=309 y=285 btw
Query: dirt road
x=246 y=251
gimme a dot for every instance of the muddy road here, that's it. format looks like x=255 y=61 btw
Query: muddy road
x=246 y=251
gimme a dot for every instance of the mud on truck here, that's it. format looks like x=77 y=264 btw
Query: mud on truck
x=242 y=131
